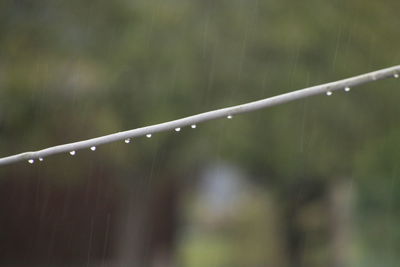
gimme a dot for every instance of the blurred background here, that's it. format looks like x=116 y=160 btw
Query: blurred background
x=308 y=183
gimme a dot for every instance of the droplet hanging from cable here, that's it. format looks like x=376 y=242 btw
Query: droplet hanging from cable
x=193 y=126
x=347 y=89
x=177 y=129
x=31 y=161
x=72 y=153
x=229 y=117
x=329 y=93
x=93 y=148
x=40 y=159
x=127 y=140
x=148 y=135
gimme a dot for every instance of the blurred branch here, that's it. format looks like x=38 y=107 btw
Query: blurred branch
x=327 y=88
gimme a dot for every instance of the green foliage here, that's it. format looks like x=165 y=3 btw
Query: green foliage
x=71 y=70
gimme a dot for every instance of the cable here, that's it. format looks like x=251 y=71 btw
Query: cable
x=192 y=121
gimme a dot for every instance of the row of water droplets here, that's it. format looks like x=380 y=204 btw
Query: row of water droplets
x=127 y=141
x=347 y=88
x=193 y=126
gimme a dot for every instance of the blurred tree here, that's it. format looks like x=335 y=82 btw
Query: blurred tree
x=71 y=70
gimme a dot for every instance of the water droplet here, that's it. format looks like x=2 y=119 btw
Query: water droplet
x=229 y=117
x=72 y=153
x=148 y=135
x=93 y=148
x=347 y=89
x=396 y=75
x=193 y=126
x=31 y=161
x=177 y=129
x=328 y=93
x=127 y=140
x=40 y=159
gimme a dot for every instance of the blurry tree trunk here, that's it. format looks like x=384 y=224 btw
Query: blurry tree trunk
x=149 y=224
x=304 y=228
x=340 y=200
x=317 y=223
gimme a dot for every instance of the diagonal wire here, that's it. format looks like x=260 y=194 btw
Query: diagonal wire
x=192 y=121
